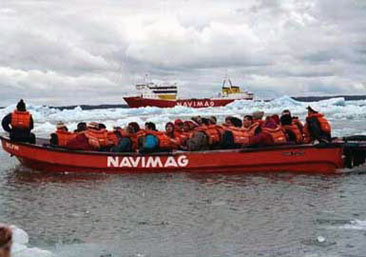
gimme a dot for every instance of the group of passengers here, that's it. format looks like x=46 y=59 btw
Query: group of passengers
x=195 y=134
x=198 y=133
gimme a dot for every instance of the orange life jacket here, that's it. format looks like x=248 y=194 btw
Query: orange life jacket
x=213 y=132
x=63 y=137
x=112 y=138
x=277 y=134
x=20 y=119
x=324 y=124
x=135 y=138
x=97 y=138
x=295 y=130
x=241 y=135
x=252 y=128
x=297 y=122
x=182 y=137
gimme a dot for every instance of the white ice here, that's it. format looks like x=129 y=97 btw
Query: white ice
x=355 y=225
x=46 y=118
x=20 y=246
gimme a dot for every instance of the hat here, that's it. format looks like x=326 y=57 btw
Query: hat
x=197 y=119
x=178 y=122
x=213 y=119
x=258 y=115
x=21 y=105
x=311 y=109
x=60 y=125
x=93 y=125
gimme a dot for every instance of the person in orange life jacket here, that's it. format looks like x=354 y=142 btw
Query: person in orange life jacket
x=250 y=126
x=231 y=137
x=270 y=134
x=92 y=138
x=247 y=121
x=154 y=140
x=199 y=140
x=81 y=140
x=212 y=131
x=257 y=122
x=316 y=127
x=6 y=240
x=62 y=135
x=291 y=127
x=150 y=126
x=80 y=127
x=19 y=124
x=130 y=141
x=197 y=120
x=227 y=121
x=186 y=126
x=294 y=120
x=276 y=119
x=178 y=127
x=179 y=140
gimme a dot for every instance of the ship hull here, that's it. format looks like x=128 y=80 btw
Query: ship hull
x=137 y=101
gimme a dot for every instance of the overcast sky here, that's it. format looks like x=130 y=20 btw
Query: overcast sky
x=79 y=51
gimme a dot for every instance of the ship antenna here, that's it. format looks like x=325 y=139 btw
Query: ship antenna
x=226 y=79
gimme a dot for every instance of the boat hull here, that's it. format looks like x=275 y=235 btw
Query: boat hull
x=137 y=101
x=305 y=158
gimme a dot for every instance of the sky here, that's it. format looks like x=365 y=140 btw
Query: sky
x=95 y=51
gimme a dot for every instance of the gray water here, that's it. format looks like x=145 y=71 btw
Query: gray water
x=184 y=214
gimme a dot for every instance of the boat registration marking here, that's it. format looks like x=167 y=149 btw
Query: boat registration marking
x=12 y=146
x=294 y=153
x=147 y=162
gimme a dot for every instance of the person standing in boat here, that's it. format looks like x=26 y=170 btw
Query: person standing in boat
x=316 y=127
x=19 y=124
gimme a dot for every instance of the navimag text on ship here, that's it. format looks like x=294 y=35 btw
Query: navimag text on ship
x=166 y=95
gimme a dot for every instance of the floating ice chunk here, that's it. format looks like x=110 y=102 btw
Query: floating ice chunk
x=320 y=239
x=20 y=248
x=355 y=225
x=19 y=235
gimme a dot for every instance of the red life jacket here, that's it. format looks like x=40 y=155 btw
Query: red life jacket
x=293 y=128
x=63 y=137
x=20 y=119
x=97 y=138
x=277 y=134
x=324 y=123
x=241 y=135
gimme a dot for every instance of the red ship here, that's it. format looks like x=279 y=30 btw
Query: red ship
x=165 y=96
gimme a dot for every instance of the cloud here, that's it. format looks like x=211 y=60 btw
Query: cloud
x=54 y=49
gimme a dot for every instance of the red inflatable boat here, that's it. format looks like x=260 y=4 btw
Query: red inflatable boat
x=293 y=158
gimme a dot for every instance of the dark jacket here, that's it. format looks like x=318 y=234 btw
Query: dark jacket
x=18 y=134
